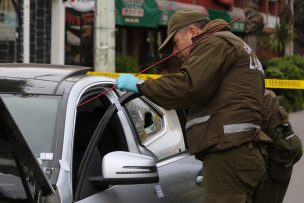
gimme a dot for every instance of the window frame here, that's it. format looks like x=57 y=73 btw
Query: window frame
x=155 y=135
x=113 y=109
x=158 y=135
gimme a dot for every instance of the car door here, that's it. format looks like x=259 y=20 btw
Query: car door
x=178 y=171
x=108 y=136
x=20 y=173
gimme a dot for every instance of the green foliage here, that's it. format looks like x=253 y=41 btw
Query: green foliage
x=292 y=68
x=289 y=67
x=281 y=36
x=298 y=21
x=126 y=64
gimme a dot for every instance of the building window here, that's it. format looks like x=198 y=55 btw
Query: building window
x=8 y=27
x=238 y=3
x=140 y=43
x=79 y=37
x=272 y=8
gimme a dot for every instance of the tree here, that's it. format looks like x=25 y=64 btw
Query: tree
x=298 y=21
x=280 y=37
x=283 y=32
x=254 y=22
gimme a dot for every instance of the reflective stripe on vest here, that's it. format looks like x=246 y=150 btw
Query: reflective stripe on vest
x=196 y=121
x=240 y=127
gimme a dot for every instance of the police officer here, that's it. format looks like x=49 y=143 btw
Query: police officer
x=221 y=84
x=282 y=153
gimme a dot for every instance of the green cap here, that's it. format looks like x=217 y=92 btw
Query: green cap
x=179 y=20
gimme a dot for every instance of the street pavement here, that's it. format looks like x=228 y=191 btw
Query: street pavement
x=295 y=192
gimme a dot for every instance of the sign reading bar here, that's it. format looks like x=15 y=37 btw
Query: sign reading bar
x=141 y=13
x=150 y=13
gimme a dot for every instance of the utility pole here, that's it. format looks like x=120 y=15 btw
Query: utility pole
x=289 y=47
x=26 y=31
x=104 y=57
x=57 y=37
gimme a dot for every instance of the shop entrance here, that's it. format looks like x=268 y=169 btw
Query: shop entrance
x=79 y=37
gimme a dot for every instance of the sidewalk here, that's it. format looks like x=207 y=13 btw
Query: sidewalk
x=296 y=187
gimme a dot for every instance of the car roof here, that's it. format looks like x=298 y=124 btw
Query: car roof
x=38 y=78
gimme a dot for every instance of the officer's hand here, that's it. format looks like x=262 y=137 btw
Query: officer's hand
x=127 y=82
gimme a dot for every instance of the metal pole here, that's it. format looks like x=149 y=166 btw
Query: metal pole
x=267 y=13
x=104 y=56
x=26 y=31
x=18 y=46
x=57 y=37
x=289 y=47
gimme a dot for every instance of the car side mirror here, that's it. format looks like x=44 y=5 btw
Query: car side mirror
x=123 y=168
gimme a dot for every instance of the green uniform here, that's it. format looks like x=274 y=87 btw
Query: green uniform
x=276 y=183
x=222 y=85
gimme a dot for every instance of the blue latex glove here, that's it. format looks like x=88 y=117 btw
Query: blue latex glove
x=127 y=82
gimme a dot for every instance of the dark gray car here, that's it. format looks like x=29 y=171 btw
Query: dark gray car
x=62 y=142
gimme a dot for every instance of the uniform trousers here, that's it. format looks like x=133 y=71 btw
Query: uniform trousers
x=234 y=175
x=272 y=192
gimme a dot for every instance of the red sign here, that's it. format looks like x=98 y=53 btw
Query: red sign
x=72 y=18
x=225 y=2
x=82 y=5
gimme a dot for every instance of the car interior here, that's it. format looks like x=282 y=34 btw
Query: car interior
x=112 y=139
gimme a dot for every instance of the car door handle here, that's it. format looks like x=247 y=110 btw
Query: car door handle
x=199 y=178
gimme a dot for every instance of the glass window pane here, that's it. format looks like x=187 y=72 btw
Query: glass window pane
x=8 y=28
x=160 y=133
x=36 y=118
x=146 y=120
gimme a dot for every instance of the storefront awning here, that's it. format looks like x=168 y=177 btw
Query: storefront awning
x=219 y=14
x=149 y=13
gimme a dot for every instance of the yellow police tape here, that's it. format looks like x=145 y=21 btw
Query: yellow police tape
x=269 y=83
x=115 y=75
x=284 y=84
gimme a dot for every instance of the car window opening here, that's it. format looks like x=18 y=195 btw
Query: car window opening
x=151 y=130
x=113 y=139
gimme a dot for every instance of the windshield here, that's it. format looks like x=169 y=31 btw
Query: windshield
x=35 y=116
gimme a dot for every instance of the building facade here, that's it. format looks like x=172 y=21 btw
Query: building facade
x=62 y=31
x=9 y=29
x=25 y=31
